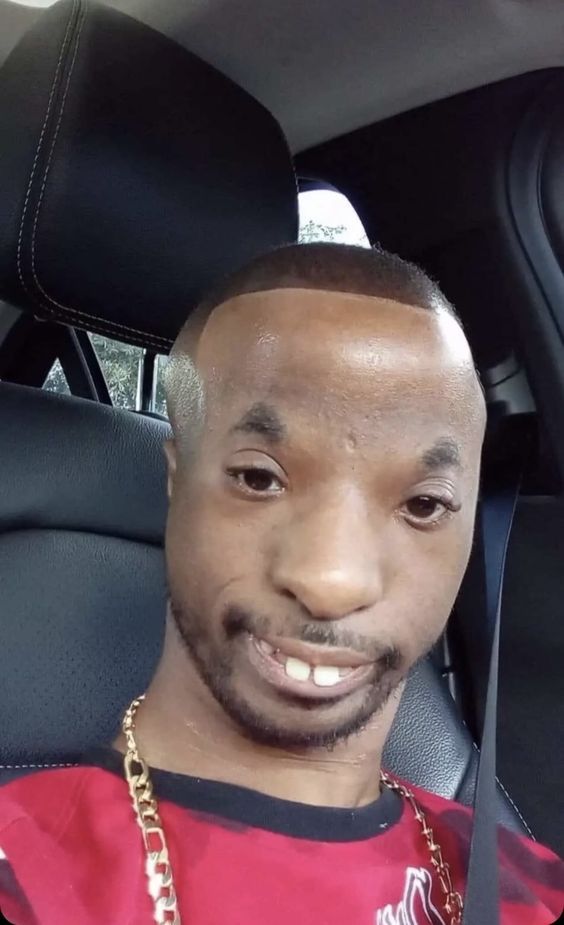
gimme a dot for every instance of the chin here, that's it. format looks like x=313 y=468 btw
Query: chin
x=293 y=723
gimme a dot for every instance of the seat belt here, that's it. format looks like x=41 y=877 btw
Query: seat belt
x=481 y=900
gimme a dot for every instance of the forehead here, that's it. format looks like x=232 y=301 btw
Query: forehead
x=342 y=357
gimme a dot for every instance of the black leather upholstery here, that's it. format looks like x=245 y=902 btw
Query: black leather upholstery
x=430 y=746
x=83 y=593
x=130 y=176
x=82 y=508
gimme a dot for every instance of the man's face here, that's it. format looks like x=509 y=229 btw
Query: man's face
x=318 y=534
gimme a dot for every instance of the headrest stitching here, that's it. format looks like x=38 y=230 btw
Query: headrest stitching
x=17 y=767
x=40 y=144
x=63 y=310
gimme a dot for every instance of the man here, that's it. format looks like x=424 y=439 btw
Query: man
x=323 y=477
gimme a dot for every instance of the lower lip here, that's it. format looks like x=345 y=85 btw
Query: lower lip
x=274 y=674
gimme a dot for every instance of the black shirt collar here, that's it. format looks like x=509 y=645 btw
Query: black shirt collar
x=240 y=807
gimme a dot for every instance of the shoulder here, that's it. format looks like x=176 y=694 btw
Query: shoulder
x=529 y=872
x=37 y=808
x=46 y=796
x=32 y=788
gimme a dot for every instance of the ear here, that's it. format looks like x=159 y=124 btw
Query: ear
x=171 y=463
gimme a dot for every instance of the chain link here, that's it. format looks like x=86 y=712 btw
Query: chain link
x=158 y=869
x=452 y=899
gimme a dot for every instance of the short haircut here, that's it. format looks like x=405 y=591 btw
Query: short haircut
x=320 y=265
x=334 y=268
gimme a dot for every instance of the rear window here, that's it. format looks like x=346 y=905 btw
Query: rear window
x=327 y=215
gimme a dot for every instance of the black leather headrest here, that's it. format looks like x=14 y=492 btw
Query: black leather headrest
x=132 y=176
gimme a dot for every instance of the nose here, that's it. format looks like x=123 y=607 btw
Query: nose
x=331 y=560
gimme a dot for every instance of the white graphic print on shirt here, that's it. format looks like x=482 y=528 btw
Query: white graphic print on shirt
x=416 y=907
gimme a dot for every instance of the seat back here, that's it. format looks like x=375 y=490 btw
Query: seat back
x=82 y=511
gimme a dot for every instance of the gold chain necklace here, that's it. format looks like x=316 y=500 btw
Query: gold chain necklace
x=160 y=881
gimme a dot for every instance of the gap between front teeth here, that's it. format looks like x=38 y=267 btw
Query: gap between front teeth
x=322 y=675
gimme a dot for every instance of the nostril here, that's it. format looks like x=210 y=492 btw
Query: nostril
x=289 y=596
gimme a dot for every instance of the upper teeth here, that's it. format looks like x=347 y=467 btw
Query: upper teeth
x=297 y=669
x=323 y=675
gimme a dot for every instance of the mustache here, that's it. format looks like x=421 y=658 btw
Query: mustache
x=237 y=620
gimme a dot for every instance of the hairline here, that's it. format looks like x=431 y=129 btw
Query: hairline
x=434 y=304
x=197 y=321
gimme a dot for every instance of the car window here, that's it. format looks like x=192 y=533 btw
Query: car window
x=56 y=380
x=120 y=364
x=325 y=215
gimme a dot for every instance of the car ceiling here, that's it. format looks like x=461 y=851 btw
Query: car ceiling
x=326 y=67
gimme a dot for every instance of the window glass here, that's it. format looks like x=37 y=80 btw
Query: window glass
x=326 y=215
x=120 y=365
x=56 y=380
x=160 y=400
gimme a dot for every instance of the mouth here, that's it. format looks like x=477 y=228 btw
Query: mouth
x=309 y=672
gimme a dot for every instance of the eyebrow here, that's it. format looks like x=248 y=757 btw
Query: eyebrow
x=264 y=420
x=444 y=454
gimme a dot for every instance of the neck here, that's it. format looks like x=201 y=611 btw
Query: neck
x=181 y=728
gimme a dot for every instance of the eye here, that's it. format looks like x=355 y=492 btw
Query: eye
x=428 y=510
x=255 y=480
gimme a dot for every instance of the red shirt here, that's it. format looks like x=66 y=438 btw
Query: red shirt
x=74 y=856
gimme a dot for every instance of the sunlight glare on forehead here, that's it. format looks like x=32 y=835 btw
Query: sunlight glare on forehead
x=453 y=337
